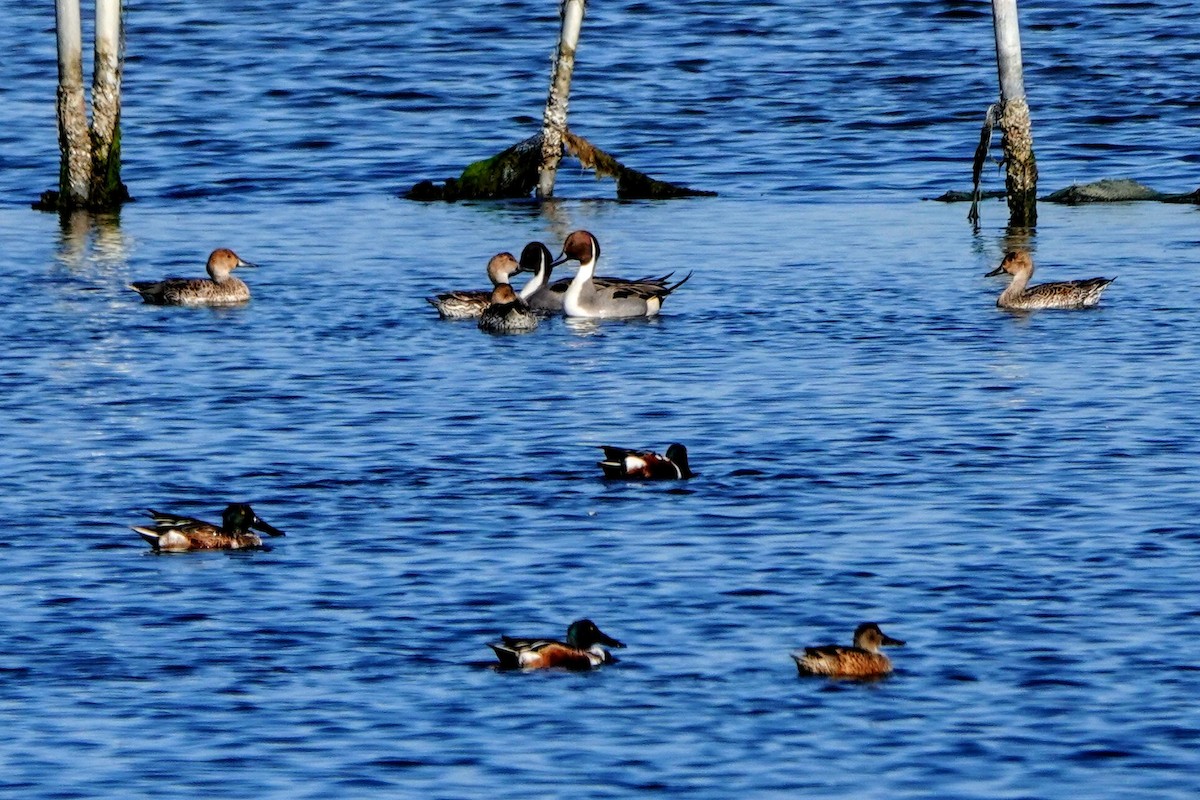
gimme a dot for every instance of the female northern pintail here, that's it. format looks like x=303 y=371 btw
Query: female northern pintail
x=470 y=304
x=863 y=660
x=174 y=534
x=220 y=289
x=507 y=313
x=547 y=298
x=582 y=650
x=1067 y=294
x=586 y=298
x=621 y=463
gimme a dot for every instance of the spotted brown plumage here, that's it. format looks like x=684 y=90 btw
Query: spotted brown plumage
x=507 y=313
x=469 y=304
x=861 y=660
x=1019 y=296
x=219 y=289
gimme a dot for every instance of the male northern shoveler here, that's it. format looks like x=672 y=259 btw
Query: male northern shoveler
x=1065 y=294
x=587 y=298
x=863 y=660
x=507 y=313
x=470 y=304
x=176 y=534
x=219 y=289
x=544 y=297
x=582 y=650
x=621 y=463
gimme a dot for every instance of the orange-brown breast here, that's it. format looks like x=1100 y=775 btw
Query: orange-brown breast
x=557 y=655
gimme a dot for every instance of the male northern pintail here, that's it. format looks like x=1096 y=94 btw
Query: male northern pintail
x=582 y=650
x=470 y=304
x=621 y=463
x=172 y=533
x=1066 y=294
x=507 y=313
x=586 y=298
x=863 y=660
x=547 y=298
x=220 y=289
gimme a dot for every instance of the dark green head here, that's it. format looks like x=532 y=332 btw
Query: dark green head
x=677 y=454
x=583 y=633
x=240 y=518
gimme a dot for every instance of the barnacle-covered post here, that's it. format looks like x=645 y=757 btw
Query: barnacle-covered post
x=554 y=118
x=106 y=188
x=1020 y=165
x=75 y=161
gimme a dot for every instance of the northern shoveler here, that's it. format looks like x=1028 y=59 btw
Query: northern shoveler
x=544 y=297
x=621 y=463
x=1066 y=294
x=176 y=534
x=586 y=298
x=863 y=660
x=582 y=650
x=470 y=304
x=219 y=289
x=507 y=313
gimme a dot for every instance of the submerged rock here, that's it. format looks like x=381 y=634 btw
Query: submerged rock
x=1109 y=190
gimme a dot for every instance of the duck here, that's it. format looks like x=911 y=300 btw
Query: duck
x=507 y=313
x=582 y=650
x=1066 y=294
x=219 y=289
x=862 y=660
x=470 y=304
x=622 y=463
x=171 y=533
x=546 y=298
x=584 y=297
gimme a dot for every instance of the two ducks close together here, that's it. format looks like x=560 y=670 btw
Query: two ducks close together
x=502 y=310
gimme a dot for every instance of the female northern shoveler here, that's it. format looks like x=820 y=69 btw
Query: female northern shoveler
x=507 y=313
x=544 y=297
x=176 y=534
x=863 y=660
x=470 y=304
x=220 y=289
x=587 y=298
x=1066 y=294
x=621 y=463
x=582 y=650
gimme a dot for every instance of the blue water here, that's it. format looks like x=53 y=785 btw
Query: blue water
x=1014 y=495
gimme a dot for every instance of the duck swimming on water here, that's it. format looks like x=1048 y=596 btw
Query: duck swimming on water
x=1066 y=294
x=507 y=313
x=219 y=289
x=175 y=534
x=547 y=298
x=585 y=297
x=582 y=650
x=621 y=463
x=471 y=303
x=862 y=660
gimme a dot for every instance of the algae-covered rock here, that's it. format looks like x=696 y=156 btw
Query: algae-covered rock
x=1109 y=190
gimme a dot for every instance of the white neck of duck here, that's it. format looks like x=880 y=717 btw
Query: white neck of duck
x=583 y=277
x=538 y=280
x=1016 y=288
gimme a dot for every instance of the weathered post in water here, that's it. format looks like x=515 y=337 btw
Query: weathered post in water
x=554 y=118
x=106 y=188
x=75 y=163
x=1020 y=166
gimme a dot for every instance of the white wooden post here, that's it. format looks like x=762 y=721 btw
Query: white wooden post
x=75 y=164
x=1021 y=166
x=554 y=119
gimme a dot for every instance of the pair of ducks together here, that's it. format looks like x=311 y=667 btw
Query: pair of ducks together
x=585 y=645
x=503 y=310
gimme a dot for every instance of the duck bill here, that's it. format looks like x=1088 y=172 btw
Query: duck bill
x=604 y=638
x=890 y=642
x=242 y=263
x=259 y=524
x=562 y=259
x=996 y=271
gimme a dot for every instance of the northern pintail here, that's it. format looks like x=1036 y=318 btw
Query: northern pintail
x=219 y=289
x=174 y=534
x=582 y=650
x=863 y=660
x=586 y=298
x=1066 y=294
x=547 y=298
x=471 y=303
x=507 y=313
x=621 y=463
